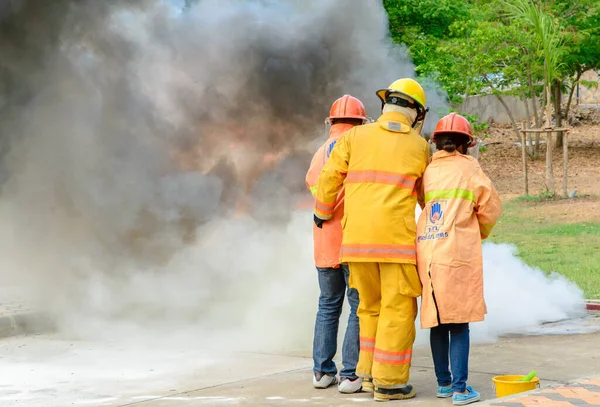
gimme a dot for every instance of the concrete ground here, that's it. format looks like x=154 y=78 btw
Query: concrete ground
x=16 y=314
x=45 y=370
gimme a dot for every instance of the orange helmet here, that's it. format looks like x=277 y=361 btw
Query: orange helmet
x=457 y=124
x=347 y=107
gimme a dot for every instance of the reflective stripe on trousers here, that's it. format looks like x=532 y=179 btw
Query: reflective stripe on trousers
x=386 y=312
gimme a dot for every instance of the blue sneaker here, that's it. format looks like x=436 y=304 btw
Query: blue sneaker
x=462 y=399
x=444 y=392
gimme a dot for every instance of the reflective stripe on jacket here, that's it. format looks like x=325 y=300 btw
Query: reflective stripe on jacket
x=381 y=164
x=462 y=208
x=327 y=241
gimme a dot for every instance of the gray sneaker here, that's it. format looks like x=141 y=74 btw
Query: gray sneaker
x=348 y=386
x=323 y=381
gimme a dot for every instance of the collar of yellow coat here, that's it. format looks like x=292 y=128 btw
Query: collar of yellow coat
x=394 y=121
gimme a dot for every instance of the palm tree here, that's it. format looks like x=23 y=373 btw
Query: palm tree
x=548 y=42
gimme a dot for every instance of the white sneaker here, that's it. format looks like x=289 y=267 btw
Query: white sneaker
x=323 y=381
x=348 y=386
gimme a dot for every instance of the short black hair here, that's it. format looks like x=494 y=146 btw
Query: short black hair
x=451 y=141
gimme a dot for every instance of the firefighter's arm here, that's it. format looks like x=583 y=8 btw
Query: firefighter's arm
x=332 y=178
x=420 y=193
x=312 y=176
x=419 y=184
x=488 y=205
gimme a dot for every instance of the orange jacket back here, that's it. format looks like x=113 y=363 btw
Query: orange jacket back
x=461 y=210
x=328 y=240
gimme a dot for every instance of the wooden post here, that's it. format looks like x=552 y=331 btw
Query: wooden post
x=549 y=173
x=524 y=157
x=565 y=162
x=551 y=184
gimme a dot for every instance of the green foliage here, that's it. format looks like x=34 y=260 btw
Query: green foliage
x=410 y=19
x=500 y=47
x=548 y=39
x=423 y=25
x=589 y=84
x=580 y=24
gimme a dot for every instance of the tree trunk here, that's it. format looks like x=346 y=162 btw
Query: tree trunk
x=524 y=159
x=503 y=103
x=510 y=115
x=558 y=111
x=538 y=123
x=549 y=173
x=534 y=101
x=571 y=93
x=565 y=164
x=526 y=126
x=536 y=154
x=548 y=122
x=549 y=145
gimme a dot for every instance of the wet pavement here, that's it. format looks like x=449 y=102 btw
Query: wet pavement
x=13 y=302
x=50 y=371
x=584 y=325
x=16 y=313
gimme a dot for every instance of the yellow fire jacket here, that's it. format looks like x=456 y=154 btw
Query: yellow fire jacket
x=380 y=164
x=462 y=208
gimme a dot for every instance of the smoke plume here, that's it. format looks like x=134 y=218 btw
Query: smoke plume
x=152 y=157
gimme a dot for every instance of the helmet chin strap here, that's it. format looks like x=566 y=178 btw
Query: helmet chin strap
x=419 y=126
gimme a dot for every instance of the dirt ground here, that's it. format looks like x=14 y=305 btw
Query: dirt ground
x=502 y=162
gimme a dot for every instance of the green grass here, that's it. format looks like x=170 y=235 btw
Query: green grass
x=571 y=249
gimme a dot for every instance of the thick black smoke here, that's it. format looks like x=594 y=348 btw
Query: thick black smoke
x=130 y=129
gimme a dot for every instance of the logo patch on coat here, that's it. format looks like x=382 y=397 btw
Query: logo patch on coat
x=330 y=149
x=435 y=221
x=436 y=213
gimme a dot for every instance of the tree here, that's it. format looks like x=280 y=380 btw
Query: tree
x=549 y=45
x=422 y=25
x=579 y=22
x=486 y=57
x=526 y=48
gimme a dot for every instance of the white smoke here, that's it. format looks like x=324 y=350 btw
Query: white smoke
x=518 y=297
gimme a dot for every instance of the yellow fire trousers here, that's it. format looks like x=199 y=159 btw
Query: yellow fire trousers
x=387 y=311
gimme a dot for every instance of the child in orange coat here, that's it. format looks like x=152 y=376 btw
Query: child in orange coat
x=462 y=207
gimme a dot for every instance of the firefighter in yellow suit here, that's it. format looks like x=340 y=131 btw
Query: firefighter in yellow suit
x=381 y=165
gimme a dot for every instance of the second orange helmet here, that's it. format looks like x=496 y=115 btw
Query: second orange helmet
x=348 y=107
x=457 y=124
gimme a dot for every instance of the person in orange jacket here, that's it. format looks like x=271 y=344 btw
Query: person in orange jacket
x=380 y=166
x=462 y=207
x=346 y=112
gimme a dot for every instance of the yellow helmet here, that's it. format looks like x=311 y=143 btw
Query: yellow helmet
x=408 y=87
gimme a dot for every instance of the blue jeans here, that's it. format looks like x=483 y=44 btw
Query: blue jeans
x=334 y=285
x=451 y=340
